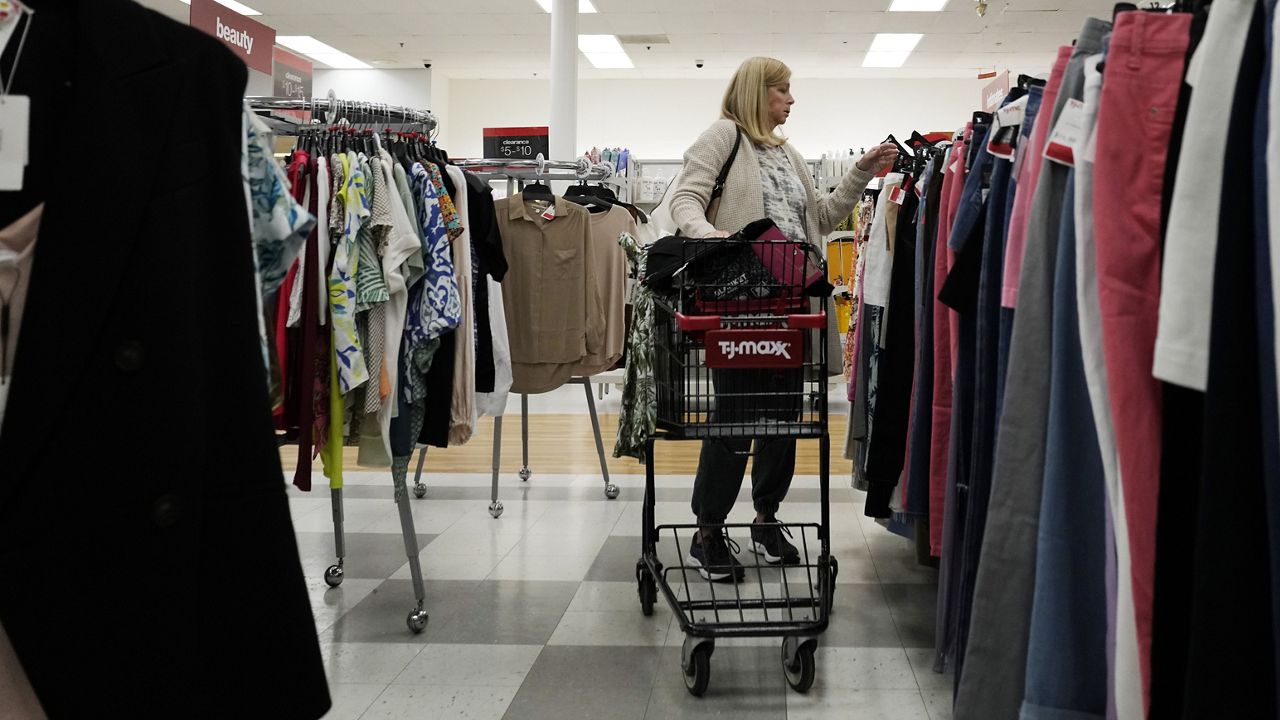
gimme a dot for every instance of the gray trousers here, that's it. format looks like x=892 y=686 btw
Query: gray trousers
x=723 y=461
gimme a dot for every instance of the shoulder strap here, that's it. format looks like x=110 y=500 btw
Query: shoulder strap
x=724 y=171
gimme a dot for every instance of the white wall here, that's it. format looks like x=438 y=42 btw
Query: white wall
x=660 y=118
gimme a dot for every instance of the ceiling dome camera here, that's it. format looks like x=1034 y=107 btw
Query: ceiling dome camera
x=698 y=64
x=426 y=64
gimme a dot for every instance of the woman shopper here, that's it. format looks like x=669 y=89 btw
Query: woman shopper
x=767 y=177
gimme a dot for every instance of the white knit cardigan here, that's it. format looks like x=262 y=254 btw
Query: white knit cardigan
x=743 y=197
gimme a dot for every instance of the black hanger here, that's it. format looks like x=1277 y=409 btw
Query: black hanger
x=905 y=157
x=537 y=191
x=1026 y=82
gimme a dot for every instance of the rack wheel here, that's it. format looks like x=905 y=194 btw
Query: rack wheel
x=611 y=491
x=333 y=576
x=798 y=663
x=495 y=509
x=697 y=675
x=525 y=474
x=420 y=490
x=417 y=621
x=648 y=591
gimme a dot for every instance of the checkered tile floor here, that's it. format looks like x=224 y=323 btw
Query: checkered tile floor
x=535 y=615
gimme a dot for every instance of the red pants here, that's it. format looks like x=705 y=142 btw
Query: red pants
x=1140 y=89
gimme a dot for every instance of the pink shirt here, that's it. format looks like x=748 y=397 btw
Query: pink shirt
x=1028 y=177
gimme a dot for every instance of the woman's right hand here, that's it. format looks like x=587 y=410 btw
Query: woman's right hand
x=717 y=234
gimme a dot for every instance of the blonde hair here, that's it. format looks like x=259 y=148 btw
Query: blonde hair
x=746 y=100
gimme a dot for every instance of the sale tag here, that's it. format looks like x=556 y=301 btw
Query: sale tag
x=550 y=212
x=1014 y=113
x=1067 y=132
x=897 y=195
x=15 y=125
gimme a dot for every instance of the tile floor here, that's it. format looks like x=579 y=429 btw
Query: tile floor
x=535 y=615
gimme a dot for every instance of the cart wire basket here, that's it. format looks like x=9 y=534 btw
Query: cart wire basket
x=740 y=352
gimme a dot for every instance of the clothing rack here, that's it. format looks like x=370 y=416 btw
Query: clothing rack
x=334 y=110
x=517 y=173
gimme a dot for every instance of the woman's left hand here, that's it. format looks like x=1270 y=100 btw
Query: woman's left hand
x=878 y=158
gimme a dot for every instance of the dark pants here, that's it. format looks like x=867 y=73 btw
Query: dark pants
x=1231 y=639
x=724 y=460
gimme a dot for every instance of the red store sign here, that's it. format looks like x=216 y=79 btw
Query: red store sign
x=247 y=38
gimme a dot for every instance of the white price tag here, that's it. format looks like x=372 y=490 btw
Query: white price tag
x=1067 y=134
x=15 y=126
x=1013 y=113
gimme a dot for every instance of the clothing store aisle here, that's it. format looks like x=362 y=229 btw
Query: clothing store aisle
x=535 y=615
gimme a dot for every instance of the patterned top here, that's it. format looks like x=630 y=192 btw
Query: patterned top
x=371 y=281
x=785 y=196
x=280 y=224
x=638 y=416
x=435 y=304
x=352 y=371
x=447 y=208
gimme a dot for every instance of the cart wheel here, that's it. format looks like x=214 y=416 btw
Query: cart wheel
x=420 y=490
x=801 y=669
x=698 y=675
x=648 y=592
x=495 y=509
x=611 y=491
x=525 y=474
x=333 y=576
x=417 y=621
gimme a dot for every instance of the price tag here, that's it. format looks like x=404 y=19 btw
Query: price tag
x=550 y=212
x=1067 y=132
x=1002 y=140
x=15 y=125
x=897 y=195
x=1014 y=113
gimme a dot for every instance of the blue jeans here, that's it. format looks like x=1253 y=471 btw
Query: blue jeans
x=1067 y=652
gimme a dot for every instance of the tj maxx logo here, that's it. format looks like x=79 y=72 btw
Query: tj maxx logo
x=770 y=348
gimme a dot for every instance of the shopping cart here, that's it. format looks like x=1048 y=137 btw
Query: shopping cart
x=740 y=352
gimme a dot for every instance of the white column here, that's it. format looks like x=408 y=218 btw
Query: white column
x=564 y=80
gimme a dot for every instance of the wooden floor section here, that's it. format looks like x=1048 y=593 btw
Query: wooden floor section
x=564 y=444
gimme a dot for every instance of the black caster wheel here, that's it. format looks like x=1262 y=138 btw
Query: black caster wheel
x=697 y=674
x=799 y=664
x=417 y=621
x=495 y=509
x=333 y=576
x=612 y=491
x=648 y=589
x=420 y=491
x=525 y=474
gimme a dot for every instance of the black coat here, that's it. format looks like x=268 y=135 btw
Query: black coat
x=148 y=557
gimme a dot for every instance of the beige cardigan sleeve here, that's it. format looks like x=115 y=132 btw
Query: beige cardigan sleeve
x=702 y=163
x=835 y=206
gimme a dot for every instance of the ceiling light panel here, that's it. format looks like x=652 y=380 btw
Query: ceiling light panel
x=917 y=5
x=890 y=50
x=604 y=51
x=320 y=52
x=584 y=6
x=895 y=42
x=233 y=5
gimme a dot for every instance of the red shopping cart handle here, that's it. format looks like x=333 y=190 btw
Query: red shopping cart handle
x=692 y=323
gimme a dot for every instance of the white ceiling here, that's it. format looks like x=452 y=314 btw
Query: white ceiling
x=817 y=38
